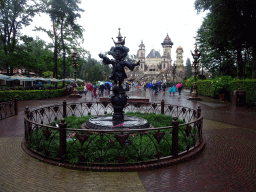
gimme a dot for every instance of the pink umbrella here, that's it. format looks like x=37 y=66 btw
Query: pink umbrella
x=178 y=85
x=89 y=86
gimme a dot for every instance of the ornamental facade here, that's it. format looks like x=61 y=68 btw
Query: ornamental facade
x=154 y=62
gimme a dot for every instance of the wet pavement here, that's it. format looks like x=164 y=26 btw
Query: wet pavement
x=228 y=162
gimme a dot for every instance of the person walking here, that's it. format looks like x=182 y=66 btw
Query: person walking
x=85 y=90
x=172 y=90
x=102 y=87
x=164 y=87
x=179 y=87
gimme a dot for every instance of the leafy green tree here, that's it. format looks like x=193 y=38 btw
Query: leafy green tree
x=188 y=69
x=227 y=34
x=14 y=15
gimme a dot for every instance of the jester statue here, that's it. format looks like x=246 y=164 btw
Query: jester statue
x=119 y=52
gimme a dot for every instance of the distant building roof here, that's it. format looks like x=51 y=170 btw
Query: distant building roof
x=167 y=41
x=154 y=54
x=141 y=44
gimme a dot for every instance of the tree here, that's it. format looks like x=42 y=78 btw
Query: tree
x=14 y=14
x=64 y=13
x=188 y=69
x=228 y=33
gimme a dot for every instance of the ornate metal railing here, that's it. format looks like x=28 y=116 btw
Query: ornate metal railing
x=8 y=109
x=111 y=146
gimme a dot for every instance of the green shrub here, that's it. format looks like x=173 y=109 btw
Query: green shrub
x=30 y=94
x=221 y=85
x=249 y=86
x=204 y=87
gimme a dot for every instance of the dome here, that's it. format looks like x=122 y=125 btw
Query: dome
x=180 y=48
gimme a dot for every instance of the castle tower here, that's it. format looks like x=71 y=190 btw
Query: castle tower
x=167 y=47
x=179 y=59
x=141 y=56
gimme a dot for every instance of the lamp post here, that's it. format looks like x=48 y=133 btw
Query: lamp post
x=74 y=64
x=196 y=56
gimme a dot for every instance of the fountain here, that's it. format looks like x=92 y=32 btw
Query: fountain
x=119 y=97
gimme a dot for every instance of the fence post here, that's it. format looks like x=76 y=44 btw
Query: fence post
x=15 y=105
x=199 y=124
x=64 y=108
x=175 y=137
x=162 y=107
x=199 y=112
x=27 y=124
x=62 y=129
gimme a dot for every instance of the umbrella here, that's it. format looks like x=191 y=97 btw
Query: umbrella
x=178 y=85
x=149 y=85
x=89 y=86
x=110 y=84
x=101 y=83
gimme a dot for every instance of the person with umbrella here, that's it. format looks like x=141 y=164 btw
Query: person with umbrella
x=179 y=87
x=85 y=90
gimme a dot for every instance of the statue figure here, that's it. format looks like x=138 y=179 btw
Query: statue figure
x=119 y=52
x=119 y=98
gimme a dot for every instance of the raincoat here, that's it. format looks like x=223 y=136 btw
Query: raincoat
x=172 y=89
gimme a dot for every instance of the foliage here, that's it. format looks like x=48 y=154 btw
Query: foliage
x=226 y=37
x=14 y=15
x=249 y=86
x=188 y=69
x=189 y=82
x=204 y=87
x=30 y=94
x=221 y=85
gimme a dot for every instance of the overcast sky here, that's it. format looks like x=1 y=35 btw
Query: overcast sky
x=149 y=21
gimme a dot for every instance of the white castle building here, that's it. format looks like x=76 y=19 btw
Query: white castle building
x=154 y=63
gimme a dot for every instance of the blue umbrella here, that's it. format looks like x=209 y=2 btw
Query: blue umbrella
x=149 y=85
x=110 y=84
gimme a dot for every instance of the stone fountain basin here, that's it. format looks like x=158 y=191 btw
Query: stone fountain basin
x=106 y=123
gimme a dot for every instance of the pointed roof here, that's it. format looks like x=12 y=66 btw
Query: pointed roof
x=154 y=54
x=167 y=41
x=141 y=44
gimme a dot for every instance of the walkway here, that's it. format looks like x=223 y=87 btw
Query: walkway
x=228 y=162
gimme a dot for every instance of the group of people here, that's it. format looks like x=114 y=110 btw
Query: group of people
x=157 y=87
x=173 y=90
x=97 y=91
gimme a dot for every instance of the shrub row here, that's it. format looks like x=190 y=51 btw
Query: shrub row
x=213 y=87
x=30 y=94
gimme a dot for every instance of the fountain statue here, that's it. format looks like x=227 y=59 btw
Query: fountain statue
x=119 y=97
x=119 y=52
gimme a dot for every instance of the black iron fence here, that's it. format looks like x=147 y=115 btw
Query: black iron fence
x=8 y=109
x=111 y=146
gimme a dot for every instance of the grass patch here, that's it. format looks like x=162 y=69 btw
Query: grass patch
x=105 y=148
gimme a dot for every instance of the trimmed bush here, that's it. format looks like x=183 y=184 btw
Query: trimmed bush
x=204 y=87
x=30 y=94
x=249 y=86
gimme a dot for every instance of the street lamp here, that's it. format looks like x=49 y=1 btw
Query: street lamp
x=74 y=64
x=196 y=56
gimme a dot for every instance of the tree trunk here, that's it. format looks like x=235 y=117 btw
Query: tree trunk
x=64 y=52
x=254 y=63
x=55 y=52
x=239 y=63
